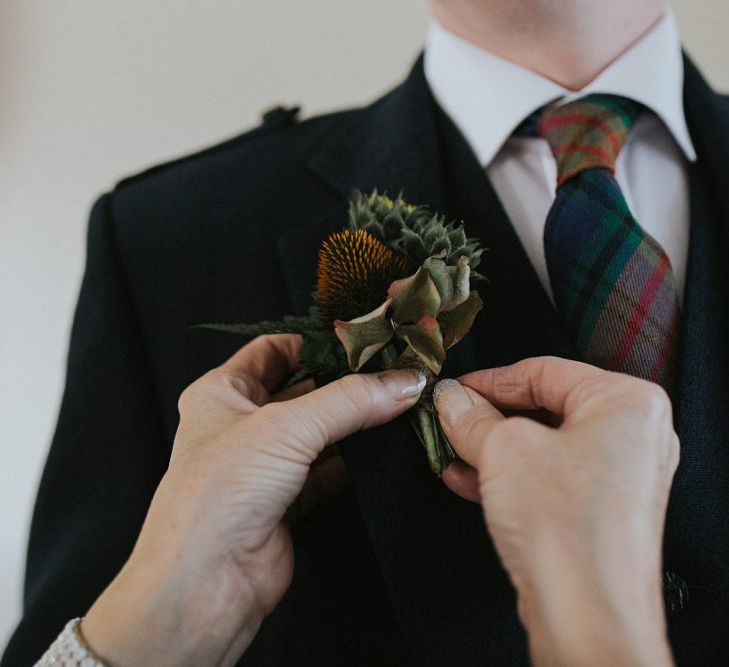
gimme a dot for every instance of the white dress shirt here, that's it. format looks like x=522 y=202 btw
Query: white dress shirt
x=487 y=97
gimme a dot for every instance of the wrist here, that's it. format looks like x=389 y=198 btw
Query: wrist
x=163 y=616
x=578 y=617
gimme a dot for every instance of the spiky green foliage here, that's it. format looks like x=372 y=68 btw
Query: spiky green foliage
x=289 y=325
x=413 y=231
x=321 y=352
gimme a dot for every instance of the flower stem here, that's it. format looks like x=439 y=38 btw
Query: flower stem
x=439 y=450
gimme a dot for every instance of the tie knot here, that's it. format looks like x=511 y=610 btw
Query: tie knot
x=586 y=133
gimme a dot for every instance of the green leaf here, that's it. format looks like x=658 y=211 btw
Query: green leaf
x=319 y=354
x=364 y=336
x=414 y=297
x=413 y=247
x=375 y=229
x=431 y=235
x=456 y=323
x=452 y=282
x=392 y=226
x=478 y=278
x=426 y=341
x=476 y=257
x=296 y=325
x=441 y=247
x=457 y=237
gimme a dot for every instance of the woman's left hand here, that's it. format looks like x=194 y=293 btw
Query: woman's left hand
x=214 y=556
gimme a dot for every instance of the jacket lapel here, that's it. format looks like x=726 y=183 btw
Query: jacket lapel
x=444 y=578
x=707 y=114
x=704 y=365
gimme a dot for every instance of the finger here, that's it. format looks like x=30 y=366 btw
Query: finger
x=541 y=382
x=462 y=479
x=294 y=391
x=466 y=417
x=354 y=402
x=267 y=359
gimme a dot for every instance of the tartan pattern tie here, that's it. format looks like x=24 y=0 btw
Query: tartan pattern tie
x=613 y=284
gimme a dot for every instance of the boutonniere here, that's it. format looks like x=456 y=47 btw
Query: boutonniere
x=394 y=289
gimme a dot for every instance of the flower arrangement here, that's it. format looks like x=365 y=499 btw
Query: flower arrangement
x=394 y=289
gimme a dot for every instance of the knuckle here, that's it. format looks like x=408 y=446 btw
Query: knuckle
x=511 y=381
x=183 y=401
x=188 y=397
x=224 y=377
x=539 y=366
x=540 y=372
x=651 y=400
x=358 y=390
x=242 y=383
x=674 y=452
x=217 y=375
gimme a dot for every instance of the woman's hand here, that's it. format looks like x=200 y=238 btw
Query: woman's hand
x=214 y=556
x=576 y=511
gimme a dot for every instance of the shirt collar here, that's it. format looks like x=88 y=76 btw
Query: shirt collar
x=487 y=96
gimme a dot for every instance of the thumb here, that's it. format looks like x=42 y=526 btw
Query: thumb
x=326 y=415
x=466 y=418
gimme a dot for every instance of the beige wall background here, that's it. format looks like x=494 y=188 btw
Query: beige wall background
x=91 y=90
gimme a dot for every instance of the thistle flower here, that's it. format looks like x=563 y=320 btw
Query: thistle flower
x=413 y=231
x=354 y=272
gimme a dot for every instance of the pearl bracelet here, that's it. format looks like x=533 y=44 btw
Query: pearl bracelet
x=70 y=650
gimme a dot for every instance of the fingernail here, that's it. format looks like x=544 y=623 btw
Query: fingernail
x=403 y=384
x=451 y=400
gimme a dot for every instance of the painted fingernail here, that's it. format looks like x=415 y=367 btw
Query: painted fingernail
x=403 y=384
x=451 y=400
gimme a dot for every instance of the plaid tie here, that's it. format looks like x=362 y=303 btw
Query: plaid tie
x=612 y=282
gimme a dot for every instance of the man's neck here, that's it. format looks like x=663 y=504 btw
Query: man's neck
x=567 y=41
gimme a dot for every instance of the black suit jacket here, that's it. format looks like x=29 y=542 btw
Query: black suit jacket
x=399 y=570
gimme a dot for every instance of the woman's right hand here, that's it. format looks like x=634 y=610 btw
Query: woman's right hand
x=576 y=511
